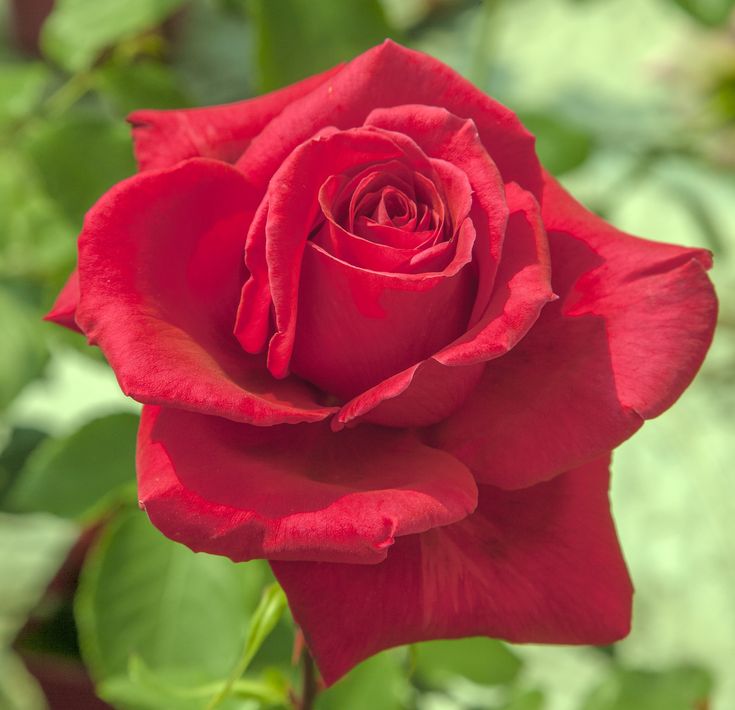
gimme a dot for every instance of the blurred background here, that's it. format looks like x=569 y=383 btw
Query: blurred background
x=633 y=103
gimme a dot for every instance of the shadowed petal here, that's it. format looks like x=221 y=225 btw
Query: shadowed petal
x=628 y=334
x=538 y=565
x=431 y=390
x=160 y=270
x=293 y=491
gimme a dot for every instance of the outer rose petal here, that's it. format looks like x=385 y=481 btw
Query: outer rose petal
x=163 y=138
x=656 y=353
x=293 y=492
x=631 y=328
x=391 y=75
x=160 y=268
x=64 y=310
x=538 y=565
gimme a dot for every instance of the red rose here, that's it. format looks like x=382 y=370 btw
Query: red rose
x=378 y=345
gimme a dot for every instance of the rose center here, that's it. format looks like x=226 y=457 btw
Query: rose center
x=388 y=205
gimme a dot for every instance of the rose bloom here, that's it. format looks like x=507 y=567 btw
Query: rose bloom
x=378 y=345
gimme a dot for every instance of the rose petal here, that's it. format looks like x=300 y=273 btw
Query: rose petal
x=443 y=135
x=431 y=390
x=658 y=302
x=293 y=491
x=274 y=253
x=64 y=310
x=163 y=138
x=418 y=396
x=391 y=75
x=351 y=191
x=358 y=327
x=541 y=565
x=368 y=254
x=278 y=235
x=631 y=328
x=522 y=287
x=420 y=257
x=160 y=267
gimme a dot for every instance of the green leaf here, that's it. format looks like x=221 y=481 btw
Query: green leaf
x=708 y=12
x=379 y=682
x=213 y=55
x=35 y=238
x=21 y=443
x=77 y=476
x=77 y=31
x=297 y=38
x=21 y=88
x=32 y=548
x=676 y=689
x=144 y=689
x=78 y=157
x=141 y=85
x=479 y=659
x=525 y=700
x=179 y=611
x=561 y=146
x=23 y=352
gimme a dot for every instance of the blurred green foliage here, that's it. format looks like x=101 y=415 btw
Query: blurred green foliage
x=78 y=31
x=483 y=661
x=79 y=476
x=288 y=30
x=709 y=12
x=31 y=550
x=24 y=351
x=633 y=106
x=676 y=689
x=75 y=177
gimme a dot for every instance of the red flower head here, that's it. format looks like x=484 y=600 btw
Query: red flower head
x=379 y=346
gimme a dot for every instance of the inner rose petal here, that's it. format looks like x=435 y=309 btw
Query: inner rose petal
x=354 y=192
x=303 y=259
x=446 y=199
x=395 y=210
x=450 y=195
x=390 y=195
x=348 y=317
x=394 y=205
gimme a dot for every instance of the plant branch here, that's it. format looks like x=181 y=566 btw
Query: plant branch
x=310 y=687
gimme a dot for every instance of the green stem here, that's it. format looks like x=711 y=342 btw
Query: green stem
x=263 y=621
x=234 y=677
x=68 y=94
